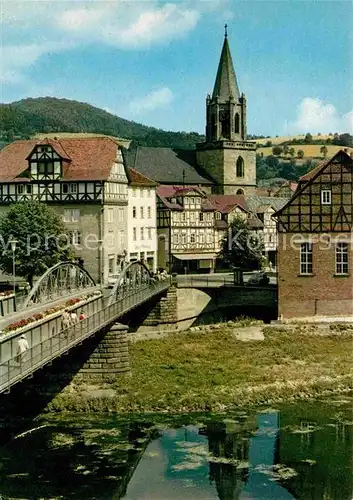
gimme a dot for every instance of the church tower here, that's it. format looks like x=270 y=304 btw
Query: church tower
x=226 y=155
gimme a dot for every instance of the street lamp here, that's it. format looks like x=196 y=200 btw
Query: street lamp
x=13 y=248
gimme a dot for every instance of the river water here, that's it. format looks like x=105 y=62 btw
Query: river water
x=297 y=451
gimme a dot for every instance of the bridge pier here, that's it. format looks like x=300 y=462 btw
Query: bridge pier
x=110 y=357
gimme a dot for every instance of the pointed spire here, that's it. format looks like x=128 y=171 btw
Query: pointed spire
x=226 y=85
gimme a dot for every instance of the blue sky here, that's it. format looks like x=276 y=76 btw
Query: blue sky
x=154 y=61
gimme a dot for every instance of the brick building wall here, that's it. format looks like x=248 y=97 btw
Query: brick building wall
x=323 y=293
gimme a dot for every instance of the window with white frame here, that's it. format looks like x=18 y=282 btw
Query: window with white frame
x=326 y=197
x=306 y=258
x=75 y=238
x=141 y=213
x=142 y=233
x=218 y=215
x=183 y=238
x=201 y=216
x=183 y=216
x=192 y=201
x=69 y=188
x=111 y=264
x=71 y=215
x=134 y=212
x=149 y=231
x=134 y=233
x=201 y=238
x=176 y=238
x=192 y=216
x=149 y=192
x=110 y=215
x=149 y=212
x=192 y=238
x=121 y=215
x=176 y=216
x=342 y=258
x=20 y=189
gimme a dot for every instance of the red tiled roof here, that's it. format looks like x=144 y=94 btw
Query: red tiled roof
x=225 y=203
x=137 y=179
x=87 y=158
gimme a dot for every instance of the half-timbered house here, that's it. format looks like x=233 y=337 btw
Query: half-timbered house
x=85 y=181
x=191 y=225
x=315 y=259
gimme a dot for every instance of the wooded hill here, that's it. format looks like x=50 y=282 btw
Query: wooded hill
x=25 y=118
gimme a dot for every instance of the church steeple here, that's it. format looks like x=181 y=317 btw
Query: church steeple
x=226 y=109
x=226 y=84
x=226 y=155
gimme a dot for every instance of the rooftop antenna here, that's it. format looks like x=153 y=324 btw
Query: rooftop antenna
x=226 y=30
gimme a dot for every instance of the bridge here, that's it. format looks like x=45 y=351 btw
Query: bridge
x=49 y=334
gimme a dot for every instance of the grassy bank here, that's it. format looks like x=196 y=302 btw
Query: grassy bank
x=213 y=371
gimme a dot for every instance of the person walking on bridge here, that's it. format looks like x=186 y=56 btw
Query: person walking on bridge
x=22 y=347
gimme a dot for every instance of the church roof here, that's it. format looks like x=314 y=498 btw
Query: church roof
x=226 y=84
x=167 y=165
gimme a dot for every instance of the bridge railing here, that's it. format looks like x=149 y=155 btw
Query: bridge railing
x=45 y=349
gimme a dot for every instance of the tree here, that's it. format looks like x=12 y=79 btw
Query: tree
x=41 y=236
x=277 y=150
x=308 y=139
x=323 y=151
x=286 y=149
x=292 y=151
x=242 y=247
x=300 y=153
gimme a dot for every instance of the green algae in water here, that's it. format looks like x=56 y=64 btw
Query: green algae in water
x=300 y=451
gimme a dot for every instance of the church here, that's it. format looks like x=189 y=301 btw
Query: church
x=226 y=162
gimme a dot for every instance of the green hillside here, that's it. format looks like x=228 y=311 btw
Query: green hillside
x=25 y=118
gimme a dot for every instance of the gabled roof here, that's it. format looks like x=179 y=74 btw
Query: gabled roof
x=137 y=179
x=255 y=202
x=167 y=165
x=88 y=158
x=305 y=180
x=166 y=192
x=225 y=203
x=226 y=84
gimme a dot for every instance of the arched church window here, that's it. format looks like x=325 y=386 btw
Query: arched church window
x=236 y=123
x=224 y=124
x=240 y=167
x=213 y=126
x=240 y=191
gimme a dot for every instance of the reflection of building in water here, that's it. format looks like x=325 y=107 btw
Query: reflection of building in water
x=229 y=441
x=319 y=448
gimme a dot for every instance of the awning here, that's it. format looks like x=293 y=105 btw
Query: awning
x=195 y=256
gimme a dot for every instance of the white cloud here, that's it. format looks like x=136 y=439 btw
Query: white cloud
x=156 y=99
x=41 y=26
x=314 y=115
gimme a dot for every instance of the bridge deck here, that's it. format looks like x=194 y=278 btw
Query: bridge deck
x=44 y=350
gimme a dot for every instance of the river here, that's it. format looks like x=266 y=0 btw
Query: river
x=297 y=451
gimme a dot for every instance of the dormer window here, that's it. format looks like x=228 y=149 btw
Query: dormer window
x=218 y=215
x=45 y=163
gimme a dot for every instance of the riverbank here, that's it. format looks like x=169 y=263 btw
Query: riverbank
x=220 y=370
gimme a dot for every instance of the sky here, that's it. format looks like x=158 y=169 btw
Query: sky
x=155 y=61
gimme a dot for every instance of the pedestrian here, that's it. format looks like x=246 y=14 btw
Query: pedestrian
x=22 y=347
x=74 y=318
x=82 y=316
x=65 y=319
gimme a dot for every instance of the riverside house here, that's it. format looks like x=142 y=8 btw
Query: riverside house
x=315 y=258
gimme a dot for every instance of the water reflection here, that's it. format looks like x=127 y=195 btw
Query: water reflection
x=302 y=452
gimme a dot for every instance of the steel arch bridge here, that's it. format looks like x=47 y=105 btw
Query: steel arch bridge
x=64 y=278
x=134 y=277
